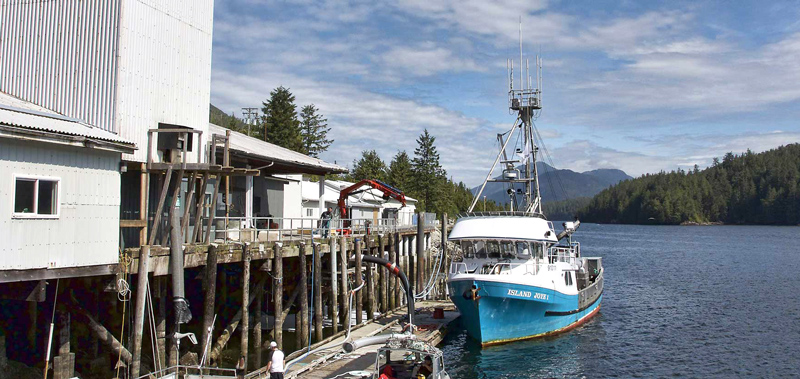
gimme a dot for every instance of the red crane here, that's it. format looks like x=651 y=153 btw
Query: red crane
x=388 y=192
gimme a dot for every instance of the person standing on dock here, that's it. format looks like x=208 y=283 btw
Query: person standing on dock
x=277 y=363
x=325 y=222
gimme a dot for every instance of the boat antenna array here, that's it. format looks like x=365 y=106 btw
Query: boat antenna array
x=526 y=102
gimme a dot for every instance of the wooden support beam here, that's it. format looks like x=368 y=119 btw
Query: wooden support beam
x=102 y=333
x=64 y=363
x=159 y=209
x=210 y=291
x=212 y=210
x=304 y=317
x=257 y=326
x=277 y=292
x=344 y=300
x=139 y=310
x=191 y=183
x=245 y=345
x=334 y=299
x=392 y=287
x=398 y=292
x=161 y=319
x=231 y=328
x=198 y=213
x=383 y=275
x=358 y=281
x=317 y=289
x=420 y=263
x=369 y=290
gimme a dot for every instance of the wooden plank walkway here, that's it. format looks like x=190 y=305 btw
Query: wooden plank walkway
x=330 y=361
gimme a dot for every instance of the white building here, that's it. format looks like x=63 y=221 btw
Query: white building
x=368 y=205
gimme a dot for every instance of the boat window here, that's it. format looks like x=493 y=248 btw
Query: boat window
x=566 y=278
x=523 y=250
x=507 y=249
x=480 y=249
x=538 y=249
x=468 y=248
x=493 y=249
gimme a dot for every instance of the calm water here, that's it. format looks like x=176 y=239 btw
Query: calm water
x=679 y=301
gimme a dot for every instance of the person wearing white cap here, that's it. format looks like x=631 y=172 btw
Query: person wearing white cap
x=277 y=363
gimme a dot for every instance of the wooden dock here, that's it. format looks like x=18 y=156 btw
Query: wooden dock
x=327 y=359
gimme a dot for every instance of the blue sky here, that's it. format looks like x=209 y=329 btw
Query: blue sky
x=639 y=86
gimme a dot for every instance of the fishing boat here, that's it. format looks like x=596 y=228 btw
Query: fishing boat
x=519 y=278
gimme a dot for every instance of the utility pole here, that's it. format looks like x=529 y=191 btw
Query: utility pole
x=250 y=115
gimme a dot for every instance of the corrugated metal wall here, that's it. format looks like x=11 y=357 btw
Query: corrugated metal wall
x=121 y=65
x=164 y=67
x=87 y=230
x=61 y=55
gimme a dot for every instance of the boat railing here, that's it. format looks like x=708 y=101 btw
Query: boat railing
x=505 y=268
x=500 y=268
x=567 y=254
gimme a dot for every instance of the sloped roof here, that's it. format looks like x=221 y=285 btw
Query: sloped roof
x=285 y=161
x=18 y=113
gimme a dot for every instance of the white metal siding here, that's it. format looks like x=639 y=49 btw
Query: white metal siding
x=87 y=231
x=61 y=55
x=164 y=68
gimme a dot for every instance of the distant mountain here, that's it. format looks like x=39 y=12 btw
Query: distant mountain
x=551 y=182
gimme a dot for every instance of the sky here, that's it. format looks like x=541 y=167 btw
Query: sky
x=637 y=86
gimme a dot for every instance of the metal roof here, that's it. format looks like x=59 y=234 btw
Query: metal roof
x=286 y=161
x=22 y=114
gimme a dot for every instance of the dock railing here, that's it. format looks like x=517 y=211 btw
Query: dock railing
x=273 y=229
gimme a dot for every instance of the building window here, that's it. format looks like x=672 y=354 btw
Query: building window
x=35 y=197
x=309 y=212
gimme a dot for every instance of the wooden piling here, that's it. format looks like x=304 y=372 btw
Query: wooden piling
x=391 y=287
x=383 y=274
x=64 y=363
x=304 y=317
x=257 y=326
x=245 y=329
x=369 y=289
x=277 y=293
x=334 y=298
x=161 y=319
x=419 y=265
x=210 y=288
x=357 y=272
x=345 y=314
x=138 y=321
x=399 y=261
x=317 y=289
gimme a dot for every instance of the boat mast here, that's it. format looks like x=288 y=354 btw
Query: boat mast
x=526 y=102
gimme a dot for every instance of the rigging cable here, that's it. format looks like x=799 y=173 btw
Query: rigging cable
x=550 y=159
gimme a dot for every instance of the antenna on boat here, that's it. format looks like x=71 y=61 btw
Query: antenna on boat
x=526 y=102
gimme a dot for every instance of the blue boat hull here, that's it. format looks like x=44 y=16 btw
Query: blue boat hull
x=508 y=312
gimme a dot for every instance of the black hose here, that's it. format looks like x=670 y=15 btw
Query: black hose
x=394 y=270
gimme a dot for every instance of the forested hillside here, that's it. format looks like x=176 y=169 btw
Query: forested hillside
x=742 y=189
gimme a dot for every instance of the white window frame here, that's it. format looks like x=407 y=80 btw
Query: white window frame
x=35 y=214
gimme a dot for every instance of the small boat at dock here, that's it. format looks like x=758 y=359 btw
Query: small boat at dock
x=518 y=278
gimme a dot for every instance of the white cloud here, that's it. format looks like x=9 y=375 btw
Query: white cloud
x=427 y=60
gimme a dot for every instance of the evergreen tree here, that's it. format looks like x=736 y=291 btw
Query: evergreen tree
x=400 y=173
x=369 y=166
x=313 y=131
x=280 y=120
x=428 y=173
x=745 y=189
